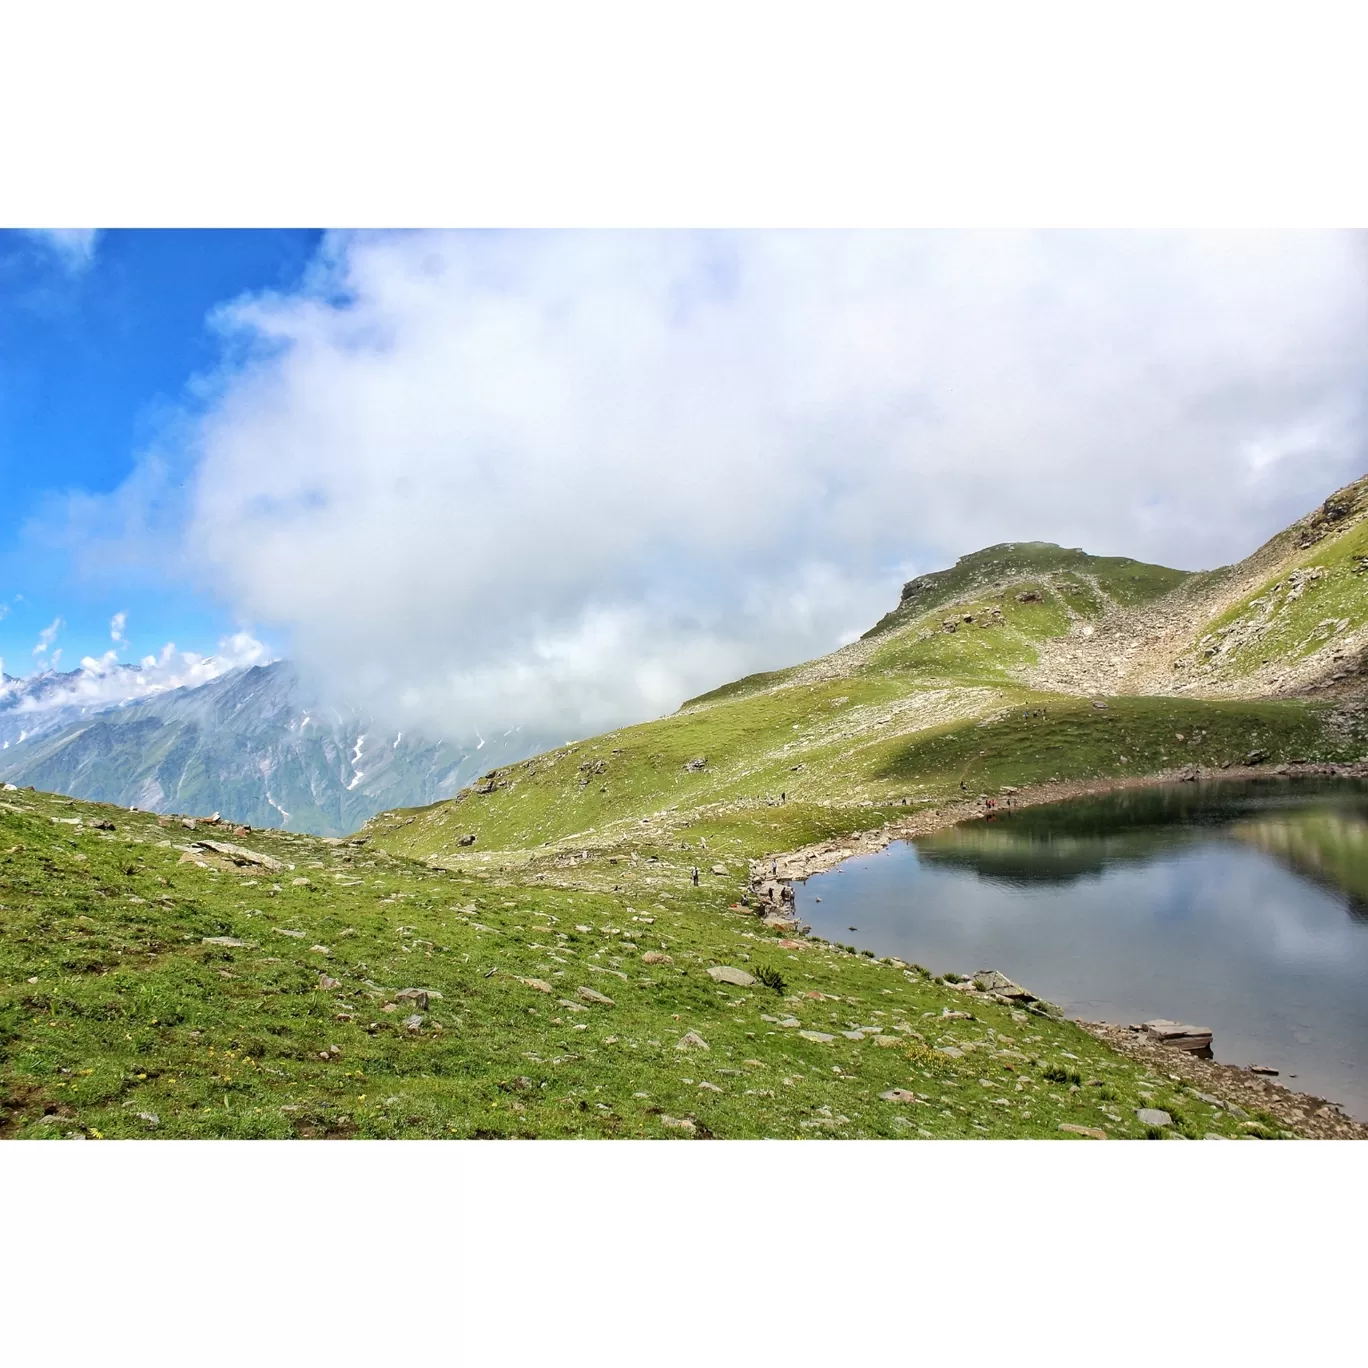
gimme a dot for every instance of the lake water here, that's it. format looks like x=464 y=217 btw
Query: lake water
x=1242 y=908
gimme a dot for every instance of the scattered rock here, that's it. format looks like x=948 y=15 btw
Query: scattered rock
x=151 y=1118
x=299 y=883
x=820 y=1037
x=677 y=1123
x=898 y=1095
x=285 y=931
x=691 y=1040
x=1263 y=1069
x=229 y=941
x=540 y=985
x=656 y=957
x=101 y=824
x=1296 y=1112
x=417 y=996
x=1153 y=1116
x=590 y=995
x=725 y=973
x=1090 y=1131
x=239 y=855
x=719 y=869
x=1178 y=1036
x=709 y=1087
x=950 y=1050
x=413 y=1023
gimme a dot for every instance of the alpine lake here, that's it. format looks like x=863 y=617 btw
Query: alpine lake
x=1241 y=908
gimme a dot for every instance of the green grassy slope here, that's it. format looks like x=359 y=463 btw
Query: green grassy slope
x=917 y=712
x=142 y=994
x=566 y=878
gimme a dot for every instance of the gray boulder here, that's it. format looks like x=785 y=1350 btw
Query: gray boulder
x=725 y=973
x=1153 y=1116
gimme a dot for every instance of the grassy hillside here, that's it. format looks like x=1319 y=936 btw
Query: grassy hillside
x=152 y=990
x=904 y=720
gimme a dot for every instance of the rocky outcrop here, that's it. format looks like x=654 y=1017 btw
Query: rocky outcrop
x=1178 y=1036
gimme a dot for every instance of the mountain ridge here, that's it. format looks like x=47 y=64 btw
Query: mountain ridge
x=992 y=673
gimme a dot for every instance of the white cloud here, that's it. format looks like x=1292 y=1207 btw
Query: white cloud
x=569 y=479
x=103 y=681
x=47 y=636
x=116 y=629
x=73 y=247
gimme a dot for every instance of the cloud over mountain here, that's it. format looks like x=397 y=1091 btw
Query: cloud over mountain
x=51 y=698
x=569 y=479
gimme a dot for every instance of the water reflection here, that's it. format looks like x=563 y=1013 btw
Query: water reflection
x=1241 y=907
x=1317 y=828
x=1328 y=846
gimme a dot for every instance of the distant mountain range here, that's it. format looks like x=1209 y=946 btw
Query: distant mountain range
x=251 y=744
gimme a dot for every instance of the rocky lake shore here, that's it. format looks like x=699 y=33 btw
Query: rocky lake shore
x=1232 y=1087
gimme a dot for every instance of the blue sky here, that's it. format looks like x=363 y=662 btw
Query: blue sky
x=96 y=351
